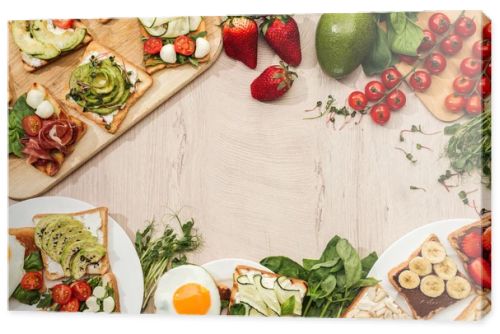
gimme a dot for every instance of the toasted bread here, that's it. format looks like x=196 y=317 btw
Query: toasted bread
x=26 y=236
x=478 y=308
x=145 y=81
x=102 y=266
x=104 y=21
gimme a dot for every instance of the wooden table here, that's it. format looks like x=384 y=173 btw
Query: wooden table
x=259 y=180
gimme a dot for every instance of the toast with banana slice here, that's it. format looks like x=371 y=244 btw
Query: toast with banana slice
x=429 y=280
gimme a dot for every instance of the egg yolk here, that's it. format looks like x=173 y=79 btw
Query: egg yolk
x=192 y=298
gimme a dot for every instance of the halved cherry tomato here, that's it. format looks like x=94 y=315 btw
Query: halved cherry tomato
x=439 y=23
x=357 y=100
x=474 y=105
x=374 y=90
x=482 y=49
x=484 y=87
x=487 y=31
x=380 y=113
x=451 y=45
x=32 y=125
x=184 y=45
x=81 y=290
x=72 y=306
x=420 y=81
x=470 y=66
x=64 y=24
x=428 y=42
x=153 y=45
x=32 y=280
x=396 y=100
x=454 y=102
x=465 y=26
x=61 y=294
x=463 y=85
x=407 y=59
x=435 y=63
x=390 y=77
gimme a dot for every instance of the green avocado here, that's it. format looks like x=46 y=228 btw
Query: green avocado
x=84 y=257
x=49 y=237
x=100 y=86
x=59 y=236
x=343 y=41
x=70 y=238
x=42 y=224
x=23 y=39
x=71 y=249
x=65 y=41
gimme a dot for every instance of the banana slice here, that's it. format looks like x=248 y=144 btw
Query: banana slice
x=446 y=269
x=432 y=286
x=420 y=266
x=458 y=287
x=408 y=279
x=433 y=251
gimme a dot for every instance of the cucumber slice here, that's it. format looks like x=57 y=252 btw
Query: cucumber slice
x=147 y=22
x=163 y=20
x=254 y=313
x=194 y=22
x=267 y=294
x=156 y=31
x=253 y=301
x=244 y=280
x=177 y=27
x=284 y=293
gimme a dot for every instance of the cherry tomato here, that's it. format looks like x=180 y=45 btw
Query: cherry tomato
x=396 y=100
x=428 y=42
x=357 y=100
x=81 y=290
x=439 y=23
x=463 y=85
x=420 y=81
x=487 y=68
x=184 y=45
x=32 y=280
x=390 y=77
x=470 y=66
x=482 y=49
x=380 y=113
x=32 y=125
x=473 y=105
x=465 y=26
x=153 y=45
x=435 y=63
x=484 y=87
x=487 y=31
x=407 y=59
x=61 y=294
x=451 y=45
x=63 y=24
x=73 y=305
x=454 y=102
x=374 y=90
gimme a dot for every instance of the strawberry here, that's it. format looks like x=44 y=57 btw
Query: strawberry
x=282 y=35
x=487 y=239
x=239 y=35
x=472 y=244
x=480 y=271
x=275 y=81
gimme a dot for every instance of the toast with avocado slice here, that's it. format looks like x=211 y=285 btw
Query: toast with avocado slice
x=73 y=244
x=104 y=86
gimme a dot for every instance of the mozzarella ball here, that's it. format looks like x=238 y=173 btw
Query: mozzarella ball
x=202 y=47
x=45 y=109
x=167 y=54
x=35 y=97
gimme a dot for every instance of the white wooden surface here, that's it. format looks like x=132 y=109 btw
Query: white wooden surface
x=259 y=180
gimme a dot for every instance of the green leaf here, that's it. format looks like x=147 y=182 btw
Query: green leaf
x=33 y=262
x=364 y=282
x=28 y=297
x=328 y=285
x=380 y=57
x=330 y=252
x=46 y=301
x=368 y=261
x=288 y=306
x=284 y=266
x=451 y=129
x=20 y=110
x=237 y=309
x=327 y=264
x=352 y=263
x=404 y=35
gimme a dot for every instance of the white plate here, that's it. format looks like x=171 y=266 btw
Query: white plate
x=399 y=252
x=222 y=270
x=122 y=255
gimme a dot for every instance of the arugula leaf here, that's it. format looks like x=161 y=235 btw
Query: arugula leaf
x=380 y=57
x=284 y=266
x=20 y=110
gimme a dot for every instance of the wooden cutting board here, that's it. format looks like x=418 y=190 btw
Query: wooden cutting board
x=122 y=36
x=442 y=84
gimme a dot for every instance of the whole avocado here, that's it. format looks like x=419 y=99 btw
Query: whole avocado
x=343 y=41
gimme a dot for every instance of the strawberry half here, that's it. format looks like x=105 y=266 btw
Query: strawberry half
x=480 y=271
x=271 y=84
x=487 y=239
x=472 y=244
x=239 y=35
x=282 y=34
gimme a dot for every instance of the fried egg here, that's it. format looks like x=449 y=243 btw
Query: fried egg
x=16 y=263
x=187 y=290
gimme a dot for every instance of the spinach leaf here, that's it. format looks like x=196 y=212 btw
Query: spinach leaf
x=328 y=285
x=237 y=309
x=368 y=262
x=288 y=306
x=330 y=252
x=404 y=35
x=45 y=301
x=284 y=266
x=28 y=297
x=309 y=263
x=327 y=264
x=370 y=281
x=16 y=132
x=380 y=57
x=352 y=263
x=33 y=262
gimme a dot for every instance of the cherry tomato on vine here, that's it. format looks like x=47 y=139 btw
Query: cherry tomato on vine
x=454 y=102
x=484 y=87
x=465 y=26
x=390 y=77
x=396 y=100
x=439 y=23
x=420 y=81
x=463 y=84
x=451 y=45
x=487 y=31
x=380 y=113
x=153 y=45
x=357 y=100
x=428 y=42
x=410 y=60
x=435 y=63
x=374 y=90
x=482 y=49
x=474 y=105
x=470 y=66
